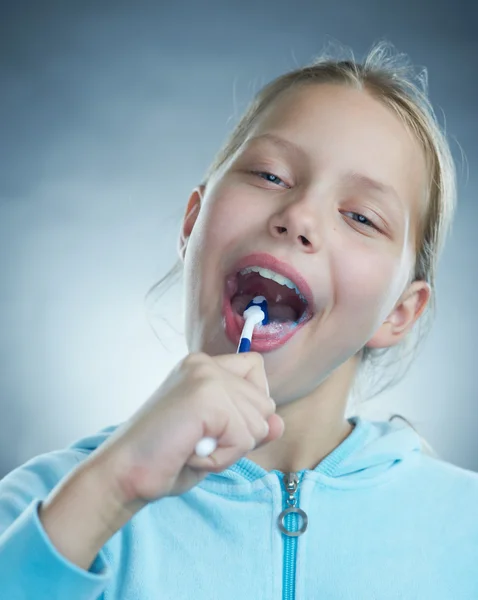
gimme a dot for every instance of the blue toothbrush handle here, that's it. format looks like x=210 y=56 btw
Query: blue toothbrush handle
x=244 y=346
x=207 y=445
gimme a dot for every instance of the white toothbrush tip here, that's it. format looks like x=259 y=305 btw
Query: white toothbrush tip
x=205 y=447
x=254 y=314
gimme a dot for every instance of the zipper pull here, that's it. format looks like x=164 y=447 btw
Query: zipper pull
x=291 y=482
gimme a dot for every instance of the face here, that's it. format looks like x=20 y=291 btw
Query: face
x=330 y=182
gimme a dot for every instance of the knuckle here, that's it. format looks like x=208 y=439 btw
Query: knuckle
x=257 y=357
x=203 y=373
x=189 y=362
x=194 y=358
x=200 y=369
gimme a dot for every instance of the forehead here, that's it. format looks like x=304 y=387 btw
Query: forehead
x=340 y=128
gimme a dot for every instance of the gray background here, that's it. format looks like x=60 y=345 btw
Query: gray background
x=109 y=114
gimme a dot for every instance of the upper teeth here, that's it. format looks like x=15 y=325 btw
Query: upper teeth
x=268 y=274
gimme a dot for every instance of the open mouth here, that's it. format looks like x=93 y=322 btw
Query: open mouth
x=285 y=302
x=288 y=312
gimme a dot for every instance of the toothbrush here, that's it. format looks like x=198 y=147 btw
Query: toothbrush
x=256 y=312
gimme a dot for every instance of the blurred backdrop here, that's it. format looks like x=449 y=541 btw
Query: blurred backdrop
x=110 y=113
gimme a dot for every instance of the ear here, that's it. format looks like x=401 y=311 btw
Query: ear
x=192 y=211
x=401 y=320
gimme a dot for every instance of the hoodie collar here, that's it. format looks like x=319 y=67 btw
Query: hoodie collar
x=371 y=449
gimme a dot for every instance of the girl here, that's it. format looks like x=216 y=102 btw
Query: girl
x=332 y=198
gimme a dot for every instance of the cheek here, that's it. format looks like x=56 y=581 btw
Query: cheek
x=226 y=219
x=363 y=278
x=215 y=237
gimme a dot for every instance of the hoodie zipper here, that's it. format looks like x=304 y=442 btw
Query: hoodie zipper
x=288 y=524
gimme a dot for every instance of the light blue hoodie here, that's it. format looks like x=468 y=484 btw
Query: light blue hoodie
x=384 y=521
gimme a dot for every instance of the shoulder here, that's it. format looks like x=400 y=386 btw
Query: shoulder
x=446 y=483
x=449 y=471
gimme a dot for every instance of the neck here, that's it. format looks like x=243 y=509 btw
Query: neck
x=314 y=425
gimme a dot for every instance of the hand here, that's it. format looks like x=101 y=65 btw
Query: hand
x=224 y=397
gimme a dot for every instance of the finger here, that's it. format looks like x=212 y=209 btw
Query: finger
x=256 y=422
x=276 y=430
x=245 y=391
x=248 y=365
x=225 y=456
x=235 y=441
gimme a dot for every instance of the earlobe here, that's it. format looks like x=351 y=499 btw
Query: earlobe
x=192 y=211
x=403 y=317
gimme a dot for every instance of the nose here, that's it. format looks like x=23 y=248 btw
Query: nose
x=297 y=224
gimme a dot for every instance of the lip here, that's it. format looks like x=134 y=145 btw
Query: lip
x=262 y=340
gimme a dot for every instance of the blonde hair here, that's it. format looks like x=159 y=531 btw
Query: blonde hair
x=387 y=76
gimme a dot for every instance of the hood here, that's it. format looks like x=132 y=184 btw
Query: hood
x=371 y=449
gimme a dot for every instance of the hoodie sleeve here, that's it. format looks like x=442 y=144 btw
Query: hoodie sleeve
x=30 y=565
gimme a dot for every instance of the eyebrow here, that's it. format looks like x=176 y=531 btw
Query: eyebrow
x=371 y=184
x=280 y=142
x=350 y=177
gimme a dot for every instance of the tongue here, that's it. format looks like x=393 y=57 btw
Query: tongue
x=281 y=312
x=277 y=312
x=283 y=303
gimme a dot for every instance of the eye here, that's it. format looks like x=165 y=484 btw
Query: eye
x=269 y=177
x=363 y=220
